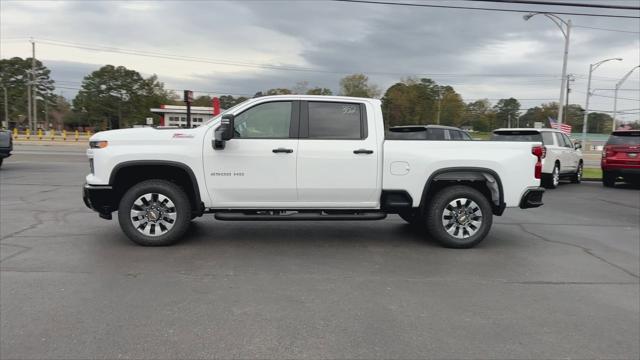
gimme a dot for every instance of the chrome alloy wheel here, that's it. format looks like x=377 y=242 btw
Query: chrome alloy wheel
x=579 y=174
x=153 y=214
x=555 y=176
x=462 y=218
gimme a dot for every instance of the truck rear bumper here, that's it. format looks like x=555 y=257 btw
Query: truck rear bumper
x=532 y=198
x=99 y=198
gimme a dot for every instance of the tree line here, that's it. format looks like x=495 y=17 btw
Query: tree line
x=115 y=94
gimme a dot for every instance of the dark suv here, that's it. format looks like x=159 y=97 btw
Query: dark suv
x=427 y=132
x=621 y=157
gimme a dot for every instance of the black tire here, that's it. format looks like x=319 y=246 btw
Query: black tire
x=552 y=180
x=441 y=201
x=608 y=179
x=181 y=208
x=1 y=162
x=577 y=177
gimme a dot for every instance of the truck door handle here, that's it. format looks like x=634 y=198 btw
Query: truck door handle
x=363 y=151
x=282 y=150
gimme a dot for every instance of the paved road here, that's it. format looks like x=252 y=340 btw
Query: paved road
x=560 y=281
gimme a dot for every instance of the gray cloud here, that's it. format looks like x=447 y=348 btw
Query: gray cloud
x=385 y=42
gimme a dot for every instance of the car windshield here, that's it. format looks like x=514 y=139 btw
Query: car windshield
x=624 y=138
x=524 y=136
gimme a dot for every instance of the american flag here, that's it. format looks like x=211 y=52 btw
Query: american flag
x=565 y=128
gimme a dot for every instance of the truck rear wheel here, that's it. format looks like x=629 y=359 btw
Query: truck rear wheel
x=154 y=213
x=459 y=217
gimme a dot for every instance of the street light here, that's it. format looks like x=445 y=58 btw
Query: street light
x=592 y=68
x=615 y=96
x=566 y=32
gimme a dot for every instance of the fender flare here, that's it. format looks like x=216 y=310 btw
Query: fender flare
x=488 y=176
x=182 y=166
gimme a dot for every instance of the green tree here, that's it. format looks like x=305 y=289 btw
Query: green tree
x=14 y=76
x=452 y=108
x=357 y=85
x=599 y=123
x=117 y=96
x=319 y=91
x=507 y=109
x=203 y=100
x=277 y=91
x=228 y=101
x=479 y=115
x=418 y=102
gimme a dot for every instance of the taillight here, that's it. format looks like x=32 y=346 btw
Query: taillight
x=540 y=152
x=608 y=151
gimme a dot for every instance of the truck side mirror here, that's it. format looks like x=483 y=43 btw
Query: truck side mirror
x=224 y=132
x=578 y=146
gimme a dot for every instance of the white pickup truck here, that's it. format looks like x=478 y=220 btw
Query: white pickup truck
x=299 y=157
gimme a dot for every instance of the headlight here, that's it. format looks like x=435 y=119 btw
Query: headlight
x=98 y=144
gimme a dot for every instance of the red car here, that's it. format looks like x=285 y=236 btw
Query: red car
x=621 y=157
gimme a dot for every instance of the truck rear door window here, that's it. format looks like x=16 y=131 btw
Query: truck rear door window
x=334 y=120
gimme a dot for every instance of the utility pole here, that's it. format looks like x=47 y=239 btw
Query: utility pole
x=439 y=104
x=6 y=106
x=566 y=31
x=570 y=78
x=29 y=101
x=509 y=120
x=592 y=68
x=34 y=97
x=615 y=96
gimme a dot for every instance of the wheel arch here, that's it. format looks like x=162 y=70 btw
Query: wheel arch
x=129 y=173
x=485 y=180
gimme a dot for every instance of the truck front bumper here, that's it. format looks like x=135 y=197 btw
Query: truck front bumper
x=532 y=198
x=99 y=198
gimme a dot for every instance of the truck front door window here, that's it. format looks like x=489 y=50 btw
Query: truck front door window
x=265 y=121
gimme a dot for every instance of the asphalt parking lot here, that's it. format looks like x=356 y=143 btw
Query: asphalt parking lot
x=561 y=281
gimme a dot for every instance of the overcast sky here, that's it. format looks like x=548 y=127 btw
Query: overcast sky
x=482 y=54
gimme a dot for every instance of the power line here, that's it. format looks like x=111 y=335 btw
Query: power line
x=167 y=56
x=606 y=96
x=560 y=3
x=480 y=8
x=607 y=29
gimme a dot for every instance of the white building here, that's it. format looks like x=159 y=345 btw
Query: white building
x=176 y=115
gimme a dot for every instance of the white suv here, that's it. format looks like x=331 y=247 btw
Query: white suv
x=562 y=159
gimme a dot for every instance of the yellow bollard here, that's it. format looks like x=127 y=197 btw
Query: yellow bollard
x=88 y=134
x=15 y=134
x=77 y=135
x=28 y=133
x=64 y=135
x=53 y=134
x=39 y=134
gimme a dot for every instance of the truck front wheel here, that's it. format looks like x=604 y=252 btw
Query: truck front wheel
x=459 y=217
x=154 y=213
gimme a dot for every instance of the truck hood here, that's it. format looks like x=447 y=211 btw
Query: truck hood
x=145 y=135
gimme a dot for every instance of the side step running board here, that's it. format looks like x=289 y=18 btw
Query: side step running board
x=231 y=216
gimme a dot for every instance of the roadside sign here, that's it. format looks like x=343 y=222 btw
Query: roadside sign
x=149 y=121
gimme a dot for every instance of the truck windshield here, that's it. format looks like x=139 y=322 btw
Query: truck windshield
x=624 y=138
x=525 y=136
